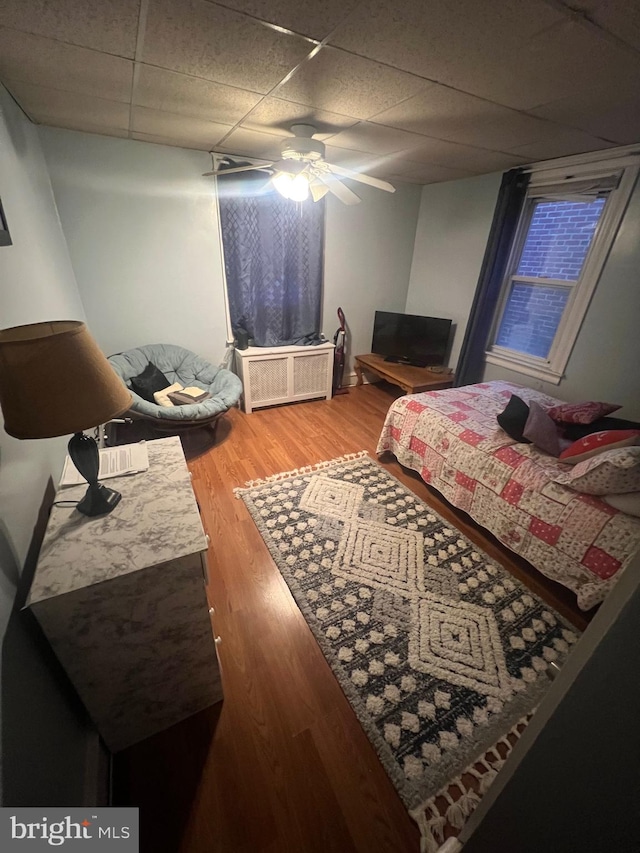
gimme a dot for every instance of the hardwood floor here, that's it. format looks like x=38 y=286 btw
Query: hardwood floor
x=282 y=764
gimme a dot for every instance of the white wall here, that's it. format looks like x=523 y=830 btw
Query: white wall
x=36 y=283
x=451 y=236
x=368 y=251
x=142 y=231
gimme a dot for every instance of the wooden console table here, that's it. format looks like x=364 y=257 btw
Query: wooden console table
x=411 y=379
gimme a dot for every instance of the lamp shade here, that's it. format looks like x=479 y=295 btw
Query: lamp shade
x=55 y=380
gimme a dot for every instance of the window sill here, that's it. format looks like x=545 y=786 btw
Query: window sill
x=538 y=371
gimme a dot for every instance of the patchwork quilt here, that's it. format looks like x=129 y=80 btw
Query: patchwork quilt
x=452 y=439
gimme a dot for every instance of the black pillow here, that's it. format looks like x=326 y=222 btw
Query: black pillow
x=514 y=418
x=577 y=431
x=149 y=381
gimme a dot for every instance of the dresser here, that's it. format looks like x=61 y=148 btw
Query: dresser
x=121 y=599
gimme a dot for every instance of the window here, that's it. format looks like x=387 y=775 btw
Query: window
x=566 y=229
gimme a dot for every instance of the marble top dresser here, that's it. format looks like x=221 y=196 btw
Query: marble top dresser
x=121 y=599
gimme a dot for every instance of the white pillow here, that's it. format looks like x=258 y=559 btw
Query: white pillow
x=162 y=397
x=629 y=503
x=610 y=473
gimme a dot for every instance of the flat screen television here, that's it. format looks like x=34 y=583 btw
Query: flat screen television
x=411 y=339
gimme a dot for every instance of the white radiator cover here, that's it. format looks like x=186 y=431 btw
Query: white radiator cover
x=273 y=375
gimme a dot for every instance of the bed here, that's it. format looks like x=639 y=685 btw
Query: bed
x=452 y=439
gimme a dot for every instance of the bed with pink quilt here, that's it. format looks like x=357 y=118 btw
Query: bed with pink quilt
x=452 y=439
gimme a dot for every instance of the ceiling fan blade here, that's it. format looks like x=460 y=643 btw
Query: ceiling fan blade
x=318 y=190
x=363 y=179
x=219 y=172
x=339 y=190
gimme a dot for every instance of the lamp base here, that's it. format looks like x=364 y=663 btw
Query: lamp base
x=98 y=500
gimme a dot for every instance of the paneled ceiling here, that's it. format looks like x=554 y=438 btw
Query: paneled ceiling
x=414 y=90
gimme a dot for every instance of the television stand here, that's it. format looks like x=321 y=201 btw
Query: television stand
x=396 y=359
x=411 y=379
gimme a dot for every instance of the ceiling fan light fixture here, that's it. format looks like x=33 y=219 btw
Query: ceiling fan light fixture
x=294 y=188
x=303 y=171
x=282 y=182
x=299 y=190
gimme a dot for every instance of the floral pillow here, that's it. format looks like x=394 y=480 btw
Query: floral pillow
x=598 y=442
x=610 y=473
x=581 y=413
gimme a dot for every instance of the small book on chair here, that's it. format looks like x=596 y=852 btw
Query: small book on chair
x=189 y=395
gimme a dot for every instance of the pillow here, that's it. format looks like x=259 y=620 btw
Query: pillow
x=541 y=430
x=514 y=418
x=576 y=431
x=597 y=442
x=629 y=503
x=611 y=472
x=581 y=413
x=148 y=382
x=162 y=397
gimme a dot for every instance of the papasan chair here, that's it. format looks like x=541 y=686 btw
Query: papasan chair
x=183 y=366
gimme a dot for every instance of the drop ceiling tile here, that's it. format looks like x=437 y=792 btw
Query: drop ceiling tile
x=445 y=42
x=393 y=166
x=465 y=157
x=315 y=19
x=171 y=141
x=110 y=27
x=425 y=173
x=69 y=109
x=376 y=139
x=33 y=59
x=619 y=17
x=519 y=53
x=251 y=143
x=613 y=115
x=342 y=83
x=361 y=161
x=198 y=132
x=171 y=92
x=274 y=115
x=446 y=113
x=199 y=38
x=536 y=151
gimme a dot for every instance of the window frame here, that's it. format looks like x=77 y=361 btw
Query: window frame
x=558 y=181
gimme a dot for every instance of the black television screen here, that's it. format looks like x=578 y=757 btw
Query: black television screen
x=410 y=339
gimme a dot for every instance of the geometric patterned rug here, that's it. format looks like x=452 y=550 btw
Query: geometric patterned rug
x=440 y=652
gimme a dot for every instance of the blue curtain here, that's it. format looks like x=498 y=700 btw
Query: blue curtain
x=273 y=255
x=511 y=197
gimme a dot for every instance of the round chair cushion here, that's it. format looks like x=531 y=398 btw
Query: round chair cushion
x=183 y=366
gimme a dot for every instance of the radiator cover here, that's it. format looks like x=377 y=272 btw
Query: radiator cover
x=274 y=375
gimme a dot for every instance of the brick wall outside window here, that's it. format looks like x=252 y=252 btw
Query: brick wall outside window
x=559 y=237
x=531 y=318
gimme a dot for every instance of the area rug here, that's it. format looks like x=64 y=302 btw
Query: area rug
x=441 y=653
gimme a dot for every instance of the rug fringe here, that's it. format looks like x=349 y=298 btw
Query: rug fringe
x=306 y=469
x=433 y=818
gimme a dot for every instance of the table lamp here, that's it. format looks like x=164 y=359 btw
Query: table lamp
x=54 y=380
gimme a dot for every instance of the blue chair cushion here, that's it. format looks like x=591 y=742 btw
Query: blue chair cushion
x=187 y=368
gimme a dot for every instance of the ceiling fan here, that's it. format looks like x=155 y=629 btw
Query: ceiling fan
x=303 y=170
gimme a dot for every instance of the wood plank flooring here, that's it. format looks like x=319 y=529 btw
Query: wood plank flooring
x=282 y=764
